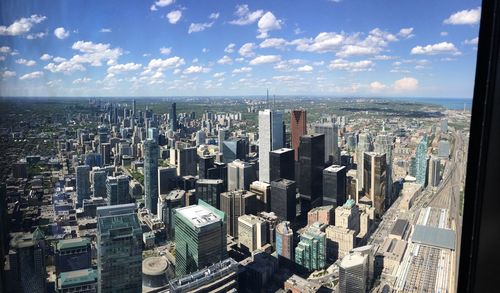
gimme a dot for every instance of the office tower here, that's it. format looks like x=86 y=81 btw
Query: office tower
x=283 y=199
x=444 y=125
x=219 y=171
x=93 y=160
x=119 y=249
x=334 y=185
x=79 y=281
x=153 y=134
x=311 y=162
x=200 y=137
x=330 y=130
x=133 y=108
x=262 y=192
x=82 y=183
x=99 y=183
x=252 y=232
x=298 y=125
x=383 y=144
x=421 y=162
x=240 y=174
x=339 y=241
x=166 y=179
x=103 y=134
x=347 y=216
x=173 y=118
x=310 y=253
x=235 y=204
x=323 y=215
x=284 y=241
x=221 y=137
x=117 y=189
x=270 y=138
x=187 y=161
x=375 y=172
x=204 y=164
x=444 y=149
x=234 y=149
x=73 y=254
x=167 y=203
x=282 y=164
x=364 y=145
x=151 y=155
x=209 y=190
x=200 y=237
x=434 y=171
x=354 y=273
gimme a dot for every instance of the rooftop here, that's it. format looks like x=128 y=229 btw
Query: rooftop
x=399 y=227
x=77 y=277
x=282 y=150
x=351 y=260
x=198 y=215
x=72 y=243
x=154 y=266
x=432 y=236
x=334 y=168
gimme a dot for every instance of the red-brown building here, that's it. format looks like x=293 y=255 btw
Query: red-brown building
x=298 y=125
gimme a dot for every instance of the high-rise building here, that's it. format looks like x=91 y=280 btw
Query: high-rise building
x=262 y=192
x=240 y=175
x=384 y=144
x=347 y=216
x=222 y=135
x=119 y=249
x=173 y=117
x=219 y=171
x=354 y=273
x=330 y=130
x=339 y=241
x=187 y=161
x=200 y=137
x=375 y=172
x=311 y=162
x=99 y=183
x=434 y=171
x=209 y=190
x=105 y=150
x=235 y=204
x=166 y=179
x=200 y=237
x=79 y=281
x=234 y=149
x=117 y=190
x=73 y=254
x=82 y=183
x=364 y=145
x=166 y=205
x=252 y=232
x=282 y=164
x=284 y=241
x=204 y=164
x=310 y=253
x=270 y=138
x=444 y=125
x=298 y=125
x=283 y=199
x=151 y=156
x=421 y=162
x=334 y=185
x=323 y=215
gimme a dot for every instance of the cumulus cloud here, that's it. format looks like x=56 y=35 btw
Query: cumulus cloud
x=174 y=16
x=434 y=49
x=195 y=69
x=277 y=43
x=377 y=86
x=35 y=36
x=164 y=64
x=245 y=16
x=352 y=66
x=45 y=57
x=225 y=60
x=406 y=84
x=5 y=49
x=82 y=80
x=161 y=3
x=21 y=26
x=229 y=48
x=214 y=15
x=7 y=74
x=265 y=59
x=473 y=41
x=471 y=16
x=247 y=50
x=406 y=32
x=219 y=74
x=32 y=75
x=242 y=70
x=120 y=68
x=268 y=22
x=199 y=27
x=28 y=63
x=166 y=51
x=61 y=33
x=305 y=68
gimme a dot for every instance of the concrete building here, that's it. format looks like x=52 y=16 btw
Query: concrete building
x=322 y=215
x=354 y=274
x=347 y=216
x=252 y=232
x=339 y=241
x=270 y=138
x=330 y=130
x=389 y=256
x=82 y=183
x=235 y=204
x=296 y=284
x=310 y=253
x=200 y=237
x=119 y=249
x=283 y=199
x=240 y=174
x=298 y=126
x=78 y=281
x=364 y=145
x=167 y=203
x=284 y=241
x=262 y=192
x=334 y=185
x=151 y=156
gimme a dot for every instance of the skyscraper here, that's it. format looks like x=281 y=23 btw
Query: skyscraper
x=166 y=205
x=383 y=144
x=240 y=175
x=82 y=183
x=311 y=161
x=187 y=161
x=364 y=145
x=354 y=273
x=99 y=183
x=173 y=117
x=330 y=130
x=200 y=237
x=117 y=190
x=222 y=135
x=270 y=138
x=434 y=171
x=283 y=199
x=284 y=241
x=73 y=254
x=298 y=125
x=235 y=204
x=209 y=190
x=151 y=155
x=234 y=149
x=421 y=162
x=119 y=249
x=204 y=164
x=375 y=172
x=252 y=232
x=334 y=185
x=166 y=179
x=282 y=164
x=310 y=253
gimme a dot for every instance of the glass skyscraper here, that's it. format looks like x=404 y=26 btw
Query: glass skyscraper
x=421 y=162
x=151 y=155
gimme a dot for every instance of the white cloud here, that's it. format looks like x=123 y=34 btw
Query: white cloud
x=34 y=36
x=242 y=70
x=45 y=57
x=199 y=27
x=406 y=84
x=28 y=63
x=205 y=50
x=443 y=34
x=277 y=43
x=471 y=16
x=120 y=68
x=230 y=48
x=166 y=51
x=59 y=59
x=247 y=50
x=406 y=32
x=32 y=75
x=64 y=67
x=473 y=41
x=376 y=86
x=214 y=15
x=153 y=8
x=265 y=59
x=164 y=3
x=95 y=53
x=383 y=57
x=219 y=74
x=7 y=74
x=268 y=22
x=174 y=16
x=164 y=64
x=195 y=69
x=285 y=78
x=225 y=60
x=440 y=48
x=21 y=26
x=245 y=16
x=82 y=80
x=61 y=33
x=305 y=68
x=5 y=49
x=105 y=30
x=354 y=66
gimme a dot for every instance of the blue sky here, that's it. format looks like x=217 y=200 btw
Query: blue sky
x=201 y=47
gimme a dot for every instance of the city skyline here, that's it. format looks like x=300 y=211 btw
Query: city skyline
x=238 y=48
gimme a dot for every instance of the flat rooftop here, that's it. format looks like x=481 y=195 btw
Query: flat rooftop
x=399 y=227
x=72 y=243
x=198 y=215
x=433 y=236
x=281 y=150
x=334 y=168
